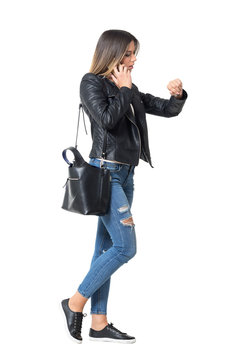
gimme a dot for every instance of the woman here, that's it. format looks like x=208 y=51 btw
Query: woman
x=117 y=112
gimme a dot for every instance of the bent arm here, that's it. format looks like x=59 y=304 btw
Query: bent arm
x=163 y=107
x=96 y=101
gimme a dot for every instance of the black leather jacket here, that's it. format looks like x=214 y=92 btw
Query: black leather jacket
x=108 y=108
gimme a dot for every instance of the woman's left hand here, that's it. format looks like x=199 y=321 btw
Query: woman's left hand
x=175 y=88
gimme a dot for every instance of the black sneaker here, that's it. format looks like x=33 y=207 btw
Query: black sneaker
x=111 y=334
x=74 y=321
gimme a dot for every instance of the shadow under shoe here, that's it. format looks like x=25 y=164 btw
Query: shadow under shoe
x=74 y=321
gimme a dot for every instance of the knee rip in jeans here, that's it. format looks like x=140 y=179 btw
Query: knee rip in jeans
x=128 y=221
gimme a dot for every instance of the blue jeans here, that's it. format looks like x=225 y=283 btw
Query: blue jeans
x=115 y=239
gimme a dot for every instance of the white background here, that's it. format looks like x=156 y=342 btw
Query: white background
x=180 y=294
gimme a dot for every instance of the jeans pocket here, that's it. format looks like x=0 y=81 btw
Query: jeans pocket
x=113 y=167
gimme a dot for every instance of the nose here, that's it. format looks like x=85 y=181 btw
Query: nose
x=133 y=58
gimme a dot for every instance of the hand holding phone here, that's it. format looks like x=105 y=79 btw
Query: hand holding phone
x=121 y=76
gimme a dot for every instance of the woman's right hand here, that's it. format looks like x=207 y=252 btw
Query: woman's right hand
x=122 y=77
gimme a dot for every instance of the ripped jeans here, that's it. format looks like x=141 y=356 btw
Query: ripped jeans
x=115 y=239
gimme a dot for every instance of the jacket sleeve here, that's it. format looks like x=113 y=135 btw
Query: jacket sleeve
x=163 y=107
x=106 y=113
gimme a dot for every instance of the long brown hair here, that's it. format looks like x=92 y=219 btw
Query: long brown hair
x=110 y=50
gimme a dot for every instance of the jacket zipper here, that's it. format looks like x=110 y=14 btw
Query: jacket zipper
x=138 y=135
x=140 y=143
x=140 y=138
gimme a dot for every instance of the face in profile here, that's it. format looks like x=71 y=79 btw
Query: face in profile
x=129 y=57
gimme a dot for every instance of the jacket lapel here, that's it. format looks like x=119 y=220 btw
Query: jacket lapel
x=130 y=114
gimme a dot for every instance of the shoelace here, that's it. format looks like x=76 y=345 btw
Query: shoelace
x=114 y=328
x=77 y=325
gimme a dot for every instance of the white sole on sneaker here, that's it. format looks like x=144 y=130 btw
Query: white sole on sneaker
x=66 y=327
x=130 y=341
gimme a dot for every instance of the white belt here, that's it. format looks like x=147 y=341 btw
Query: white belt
x=114 y=161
